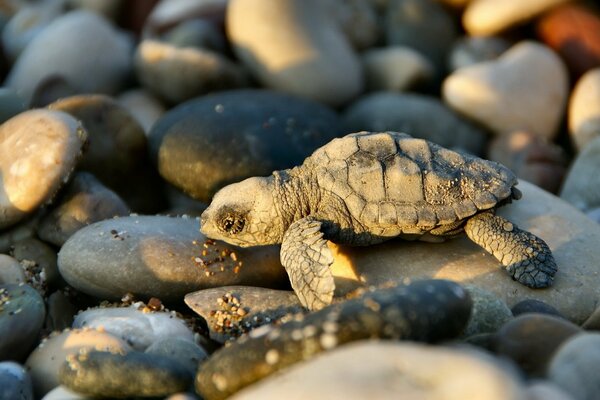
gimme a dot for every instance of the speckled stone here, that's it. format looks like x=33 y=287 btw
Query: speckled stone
x=389 y=370
x=22 y=314
x=157 y=256
x=188 y=354
x=137 y=327
x=45 y=361
x=430 y=310
x=584 y=109
x=11 y=270
x=84 y=201
x=416 y=114
x=117 y=150
x=297 y=50
x=38 y=151
x=15 y=382
x=581 y=186
x=531 y=339
x=526 y=88
x=250 y=132
x=574 y=366
x=488 y=314
x=230 y=311
x=74 y=57
x=124 y=375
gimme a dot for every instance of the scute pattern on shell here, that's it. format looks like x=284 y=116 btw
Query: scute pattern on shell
x=407 y=185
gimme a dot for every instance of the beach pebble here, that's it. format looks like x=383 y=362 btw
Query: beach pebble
x=188 y=354
x=157 y=256
x=11 y=104
x=230 y=311
x=142 y=105
x=581 y=186
x=531 y=339
x=545 y=390
x=250 y=132
x=172 y=13
x=136 y=327
x=110 y=9
x=574 y=366
x=84 y=201
x=534 y=306
x=593 y=321
x=418 y=115
x=427 y=311
x=117 y=149
x=297 y=49
x=45 y=361
x=358 y=20
x=584 y=109
x=74 y=57
x=395 y=68
x=22 y=314
x=390 y=370
x=423 y=25
x=38 y=260
x=39 y=151
x=571 y=236
x=11 y=270
x=124 y=375
x=15 y=382
x=524 y=89
x=488 y=314
x=60 y=312
x=470 y=50
x=531 y=157
x=573 y=31
x=23 y=230
x=489 y=17
x=196 y=33
x=178 y=74
x=62 y=393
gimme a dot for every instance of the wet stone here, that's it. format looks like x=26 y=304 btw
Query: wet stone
x=430 y=311
x=531 y=339
x=15 y=382
x=187 y=354
x=22 y=314
x=124 y=375
x=45 y=361
x=39 y=150
x=528 y=306
x=156 y=256
x=250 y=132
x=231 y=311
x=84 y=201
x=488 y=314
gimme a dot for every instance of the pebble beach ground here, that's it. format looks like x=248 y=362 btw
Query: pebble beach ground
x=120 y=119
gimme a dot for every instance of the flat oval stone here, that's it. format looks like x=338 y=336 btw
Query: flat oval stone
x=574 y=367
x=572 y=237
x=124 y=375
x=531 y=339
x=418 y=115
x=156 y=256
x=179 y=74
x=297 y=50
x=11 y=270
x=76 y=58
x=45 y=361
x=390 y=370
x=250 y=132
x=526 y=88
x=581 y=186
x=488 y=17
x=84 y=201
x=230 y=311
x=429 y=311
x=38 y=151
x=138 y=328
x=584 y=109
x=22 y=314
x=15 y=382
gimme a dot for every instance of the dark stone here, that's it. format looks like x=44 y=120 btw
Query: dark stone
x=105 y=374
x=186 y=353
x=15 y=382
x=206 y=143
x=534 y=306
x=427 y=311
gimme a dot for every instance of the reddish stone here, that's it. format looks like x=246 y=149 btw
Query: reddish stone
x=574 y=32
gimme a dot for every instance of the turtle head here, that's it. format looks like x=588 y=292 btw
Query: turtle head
x=244 y=214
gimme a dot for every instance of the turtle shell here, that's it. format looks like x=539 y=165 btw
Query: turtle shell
x=409 y=185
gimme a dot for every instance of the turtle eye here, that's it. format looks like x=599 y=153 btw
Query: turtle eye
x=233 y=225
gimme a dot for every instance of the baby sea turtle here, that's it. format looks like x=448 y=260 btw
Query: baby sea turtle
x=369 y=187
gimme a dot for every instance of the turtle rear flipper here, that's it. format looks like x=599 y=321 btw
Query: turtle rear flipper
x=306 y=258
x=526 y=257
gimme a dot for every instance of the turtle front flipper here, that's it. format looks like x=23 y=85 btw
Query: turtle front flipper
x=306 y=258
x=527 y=258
